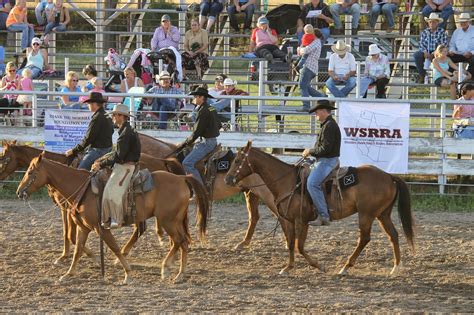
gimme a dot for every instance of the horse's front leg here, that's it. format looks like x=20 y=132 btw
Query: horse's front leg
x=66 y=243
x=81 y=238
x=131 y=242
x=291 y=248
x=252 y=207
x=301 y=234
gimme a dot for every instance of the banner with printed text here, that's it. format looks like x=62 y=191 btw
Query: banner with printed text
x=376 y=134
x=64 y=129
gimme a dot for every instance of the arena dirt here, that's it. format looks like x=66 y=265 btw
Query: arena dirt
x=439 y=277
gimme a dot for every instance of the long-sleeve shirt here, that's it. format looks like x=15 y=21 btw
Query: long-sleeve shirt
x=328 y=144
x=165 y=103
x=430 y=40
x=161 y=39
x=313 y=51
x=315 y=21
x=207 y=124
x=462 y=41
x=99 y=133
x=377 y=68
x=128 y=147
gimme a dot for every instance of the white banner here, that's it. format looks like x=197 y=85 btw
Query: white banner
x=63 y=129
x=375 y=134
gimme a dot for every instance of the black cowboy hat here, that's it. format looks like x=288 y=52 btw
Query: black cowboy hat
x=200 y=91
x=320 y=105
x=95 y=97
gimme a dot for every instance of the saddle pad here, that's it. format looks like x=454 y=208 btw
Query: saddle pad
x=223 y=163
x=142 y=181
x=349 y=179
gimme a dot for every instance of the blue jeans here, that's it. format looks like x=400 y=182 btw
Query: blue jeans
x=353 y=10
x=223 y=108
x=200 y=150
x=321 y=170
x=27 y=33
x=57 y=27
x=3 y=20
x=35 y=71
x=445 y=13
x=387 y=9
x=348 y=86
x=466 y=132
x=306 y=76
x=92 y=154
x=325 y=31
x=232 y=11
x=39 y=10
x=164 y=108
x=419 y=57
x=364 y=85
x=211 y=8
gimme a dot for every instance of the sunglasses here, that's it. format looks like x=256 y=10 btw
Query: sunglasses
x=12 y=70
x=75 y=80
x=35 y=44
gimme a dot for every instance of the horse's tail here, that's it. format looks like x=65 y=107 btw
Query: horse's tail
x=173 y=166
x=202 y=204
x=404 y=210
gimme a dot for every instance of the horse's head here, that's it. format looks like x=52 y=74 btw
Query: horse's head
x=35 y=177
x=240 y=167
x=8 y=160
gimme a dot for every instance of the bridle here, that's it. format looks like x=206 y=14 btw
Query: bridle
x=245 y=159
x=4 y=162
x=23 y=194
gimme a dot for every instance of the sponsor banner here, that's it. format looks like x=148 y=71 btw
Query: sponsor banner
x=375 y=134
x=64 y=129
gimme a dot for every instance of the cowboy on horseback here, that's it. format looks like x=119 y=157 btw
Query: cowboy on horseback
x=206 y=127
x=123 y=160
x=98 y=139
x=326 y=150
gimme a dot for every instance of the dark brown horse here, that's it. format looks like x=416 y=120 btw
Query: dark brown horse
x=168 y=203
x=373 y=198
x=253 y=187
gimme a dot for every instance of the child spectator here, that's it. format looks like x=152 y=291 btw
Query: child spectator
x=307 y=39
x=26 y=84
x=89 y=73
x=97 y=86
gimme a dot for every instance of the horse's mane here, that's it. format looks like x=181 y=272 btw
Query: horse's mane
x=27 y=147
x=66 y=166
x=156 y=139
x=274 y=158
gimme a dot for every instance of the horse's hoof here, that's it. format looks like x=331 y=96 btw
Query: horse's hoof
x=178 y=278
x=284 y=272
x=343 y=272
x=60 y=260
x=395 y=270
x=116 y=261
x=240 y=246
x=164 y=274
x=63 y=277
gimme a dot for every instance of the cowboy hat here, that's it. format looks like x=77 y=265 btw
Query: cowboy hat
x=229 y=81
x=95 y=97
x=374 y=49
x=340 y=47
x=164 y=75
x=262 y=20
x=200 y=91
x=464 y=17
x=321 y=104
x=120 y=109
x=434 y=16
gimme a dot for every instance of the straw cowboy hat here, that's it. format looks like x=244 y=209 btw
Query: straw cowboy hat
x=340 y=47
x=322 y=104
x=374 y=50
x=229 y=81
x=464 y=17
x=434 y=16
x=121 y=110
x=95 y=97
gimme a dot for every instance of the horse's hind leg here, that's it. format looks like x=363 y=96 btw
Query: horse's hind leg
x=387 y=224
x=252 y=207
x=184 y=260
x=365 y=225
x=291 y=248
x=301 y=234
x=159 y=232
x=168 y=259
x=81 y=239
x=112 y=244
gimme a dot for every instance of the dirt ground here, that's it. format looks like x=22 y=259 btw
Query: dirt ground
x=438 y=278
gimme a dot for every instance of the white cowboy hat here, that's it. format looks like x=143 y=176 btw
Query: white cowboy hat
x=374 y=50
x=229 y=81
x=340 y=47
x=464 y=17
x=164 y=75
x=434 y=16
x=120 y=109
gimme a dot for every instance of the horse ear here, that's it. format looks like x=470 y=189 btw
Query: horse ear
x=41 y=156
x=4 y=143
x=14 y=142
x=249 y=145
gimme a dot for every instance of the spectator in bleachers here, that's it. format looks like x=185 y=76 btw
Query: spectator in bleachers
x=320 y=17
x=37 y=58
x=97 y=86
x=218 y=85
x=210 y=9
x=310 y=69
x=41 y=11
x=377 y=72
x=89 y=73
x=349 y=7
x=442 y=76
x=196 y=49
x=71 y=84
x=164 y=107
x=341 y=70
x=11 y=81
x=430 y=38
x=464 y=115
x=461 y=47
x=223 y=106
x=17 y=22
x=264 y=41
x=388 y=8
x=26 y=84
x=443 y=6
x=5 y=7
x=58 y=19
x=166 y=35
x=130 y=80
x=241 y=6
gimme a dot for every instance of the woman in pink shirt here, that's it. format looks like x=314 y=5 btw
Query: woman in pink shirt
x=463 y=115
x=264 y=41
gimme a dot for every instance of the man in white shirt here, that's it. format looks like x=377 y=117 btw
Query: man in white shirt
x=342 y=70
x=461 y=46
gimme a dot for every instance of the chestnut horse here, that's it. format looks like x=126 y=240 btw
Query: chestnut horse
x=372 y=198
x=256 y=187
x=168 y=202
x=20 y=156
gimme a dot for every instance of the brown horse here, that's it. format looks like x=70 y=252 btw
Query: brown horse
x=372 y=198
x=252 y=186
x=170 y=212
